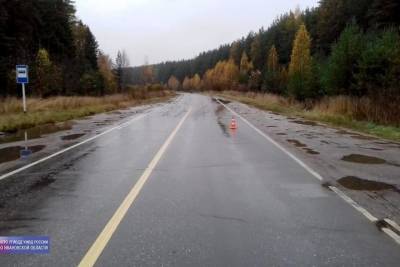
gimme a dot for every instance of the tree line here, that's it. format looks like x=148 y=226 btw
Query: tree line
x=349 y=47
x=61 y=51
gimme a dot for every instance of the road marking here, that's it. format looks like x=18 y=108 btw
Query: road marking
x=342 y=195
x=354 y=204
x=391 y=234
x=301 y=163
x=393 y=224
x=98 y=246
x=121 y=126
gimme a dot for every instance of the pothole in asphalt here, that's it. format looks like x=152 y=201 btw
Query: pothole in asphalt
x=295 y=142
x=35 y=132
x=303 y=146
x=343 y=132
x=363 y=159
x=45 y=181
x=362 y=137
x=309 y=123
x=310 y=151
x=281 y=134
x=72 y=136
x=13 y=153
x=355 y=183
x=224 y=101
x=372 y=148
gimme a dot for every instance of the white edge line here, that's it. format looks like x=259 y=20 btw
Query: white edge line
x=354 y=204
x=342 y=195
x=392 y=224
x=123 y=125
x=301 y=163
x=391 y=234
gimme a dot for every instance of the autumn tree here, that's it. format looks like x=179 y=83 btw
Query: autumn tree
x=186 y=84
x=148 y=76
x=223 y=76
x=105 y=66
x=173 y=83
x=300 y=66
x=272 y=74
x=246 y=66
x=48 y=77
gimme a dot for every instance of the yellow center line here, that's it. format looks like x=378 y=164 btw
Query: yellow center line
x=98 y=246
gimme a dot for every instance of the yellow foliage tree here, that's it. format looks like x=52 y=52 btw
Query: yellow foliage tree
x=173 y=83
x=222 y=77
x=106 y=70
x=273 y=60
x=48 y=75
x=300 y=66
x=245 y=64
x=186 y=84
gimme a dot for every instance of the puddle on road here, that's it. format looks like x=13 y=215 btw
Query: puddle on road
x=223 y=128
x=355 y=183
x=35 y=132
x=72 y=136
x=363 y=159
x=219 y=109
x=309 y=123
x=13 y=153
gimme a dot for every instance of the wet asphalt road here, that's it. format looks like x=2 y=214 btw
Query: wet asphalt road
x=216 y=198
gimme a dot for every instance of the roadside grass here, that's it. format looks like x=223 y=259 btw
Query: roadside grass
x=334 y=111
x=60 y=109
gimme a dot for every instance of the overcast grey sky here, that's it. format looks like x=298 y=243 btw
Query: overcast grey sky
x=176 y=29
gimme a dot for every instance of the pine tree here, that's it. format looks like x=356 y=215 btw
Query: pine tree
x=255 y=53
x=91 y=49
x=338 y=75
x=300 y=65
x=235 y=52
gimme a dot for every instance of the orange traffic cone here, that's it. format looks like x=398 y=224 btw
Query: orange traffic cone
x=233 y=124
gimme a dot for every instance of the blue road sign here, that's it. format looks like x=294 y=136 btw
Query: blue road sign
x=22 y=74
x=25 y=153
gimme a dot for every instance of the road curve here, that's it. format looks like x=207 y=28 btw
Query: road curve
x=211 y=197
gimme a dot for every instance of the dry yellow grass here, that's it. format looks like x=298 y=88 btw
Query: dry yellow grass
x=360 y=114
x=57 y=109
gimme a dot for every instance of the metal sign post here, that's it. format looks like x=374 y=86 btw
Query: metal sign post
x=23 y=97
x=22 y=78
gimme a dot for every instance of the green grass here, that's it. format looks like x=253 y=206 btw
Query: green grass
x=285 y=107
x=60 y=109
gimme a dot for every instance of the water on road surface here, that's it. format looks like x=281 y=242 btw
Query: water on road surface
x=214 y=197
